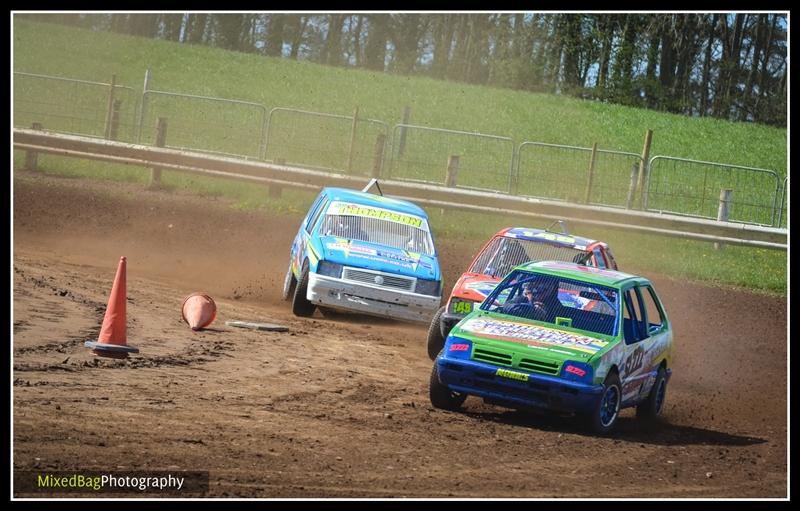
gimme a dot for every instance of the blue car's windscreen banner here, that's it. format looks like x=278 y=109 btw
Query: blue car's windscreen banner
x=347 y=208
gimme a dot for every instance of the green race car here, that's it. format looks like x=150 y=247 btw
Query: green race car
x=564 y=337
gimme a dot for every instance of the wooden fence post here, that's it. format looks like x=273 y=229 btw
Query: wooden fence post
x=644 y=169
x=590 y=177
x=275 y=190
x=401 y=144
x=352 y=140
x=113 y=133
x=110 y=108
x=451 y=176
x=377 y=160
x=452 y=171
x=632 y=186
x=32 y=157
x=725 y=198
x=161 y=140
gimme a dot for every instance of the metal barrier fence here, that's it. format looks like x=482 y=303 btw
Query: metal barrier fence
x=576 y=174
x=38 y=141
x=781 y=220
x=692 y=187
x=322 y=141
x=208 y=124
x=419 y=153
x=415 y=153
x=74 y=106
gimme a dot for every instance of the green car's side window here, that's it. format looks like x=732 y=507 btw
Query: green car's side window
x=633 y=325
x=655 y=318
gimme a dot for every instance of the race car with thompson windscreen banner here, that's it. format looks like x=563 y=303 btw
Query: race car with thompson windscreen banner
x=366 y=253
x=508 y=248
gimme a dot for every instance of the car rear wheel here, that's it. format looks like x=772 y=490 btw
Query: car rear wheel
x=289 y=283
x=650 y=409
x=603 y=418
x=441 y=396
x=300 y=304
x=435 y=338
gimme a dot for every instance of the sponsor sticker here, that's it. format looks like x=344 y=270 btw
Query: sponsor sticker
x=512 y=375
x=347 y=208
x=404 y=259
x=531 y=334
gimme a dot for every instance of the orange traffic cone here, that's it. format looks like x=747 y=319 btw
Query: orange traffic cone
x=198 y=310
x=112 y=341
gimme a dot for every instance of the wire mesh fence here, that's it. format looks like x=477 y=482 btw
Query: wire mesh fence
x=72 y=106
x=208 y=124
x=782 y=213
x=692 y=187
x=420 y=153
x=349 y=144
x=572 y=174
x=323 y=141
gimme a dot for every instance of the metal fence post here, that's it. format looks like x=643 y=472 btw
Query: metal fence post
x=590 y=177
x=161 y=140
x=644 y=170
x=110 y=108
x=352 y=141
x=32 y=157
x=143 y=108
x=725 y=198
x=377 y=161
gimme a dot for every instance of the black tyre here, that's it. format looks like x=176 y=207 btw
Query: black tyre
x=603 y=418
x=300 y=305
x=289 y=284
x=650 y=409
x=441 y=396
x=435 y=338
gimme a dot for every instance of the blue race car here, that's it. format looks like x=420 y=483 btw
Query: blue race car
x=362 y=252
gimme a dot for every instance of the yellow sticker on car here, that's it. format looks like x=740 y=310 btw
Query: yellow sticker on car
x=461 y=307
x=513 y=375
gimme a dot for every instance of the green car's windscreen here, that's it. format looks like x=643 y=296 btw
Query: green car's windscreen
x=556 y=301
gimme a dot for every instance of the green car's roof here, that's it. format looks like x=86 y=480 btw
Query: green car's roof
x=581 y=272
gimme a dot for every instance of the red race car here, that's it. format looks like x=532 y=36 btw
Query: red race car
x=508 y=248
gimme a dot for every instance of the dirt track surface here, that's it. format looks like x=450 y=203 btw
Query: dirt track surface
x=338 y=408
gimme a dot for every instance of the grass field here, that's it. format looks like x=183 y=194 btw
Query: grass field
x=269 y=82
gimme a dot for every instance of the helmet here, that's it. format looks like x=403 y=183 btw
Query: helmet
x=541 y=289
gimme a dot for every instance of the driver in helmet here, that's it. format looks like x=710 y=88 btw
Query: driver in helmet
x=538 y=300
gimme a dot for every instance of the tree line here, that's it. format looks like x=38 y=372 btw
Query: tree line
x=724 y=65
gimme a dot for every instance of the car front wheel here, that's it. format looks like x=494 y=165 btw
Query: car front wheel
x=441 y=395
x=289 y=283
x=603 y=418
x=300 y=304
x=435 y=338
